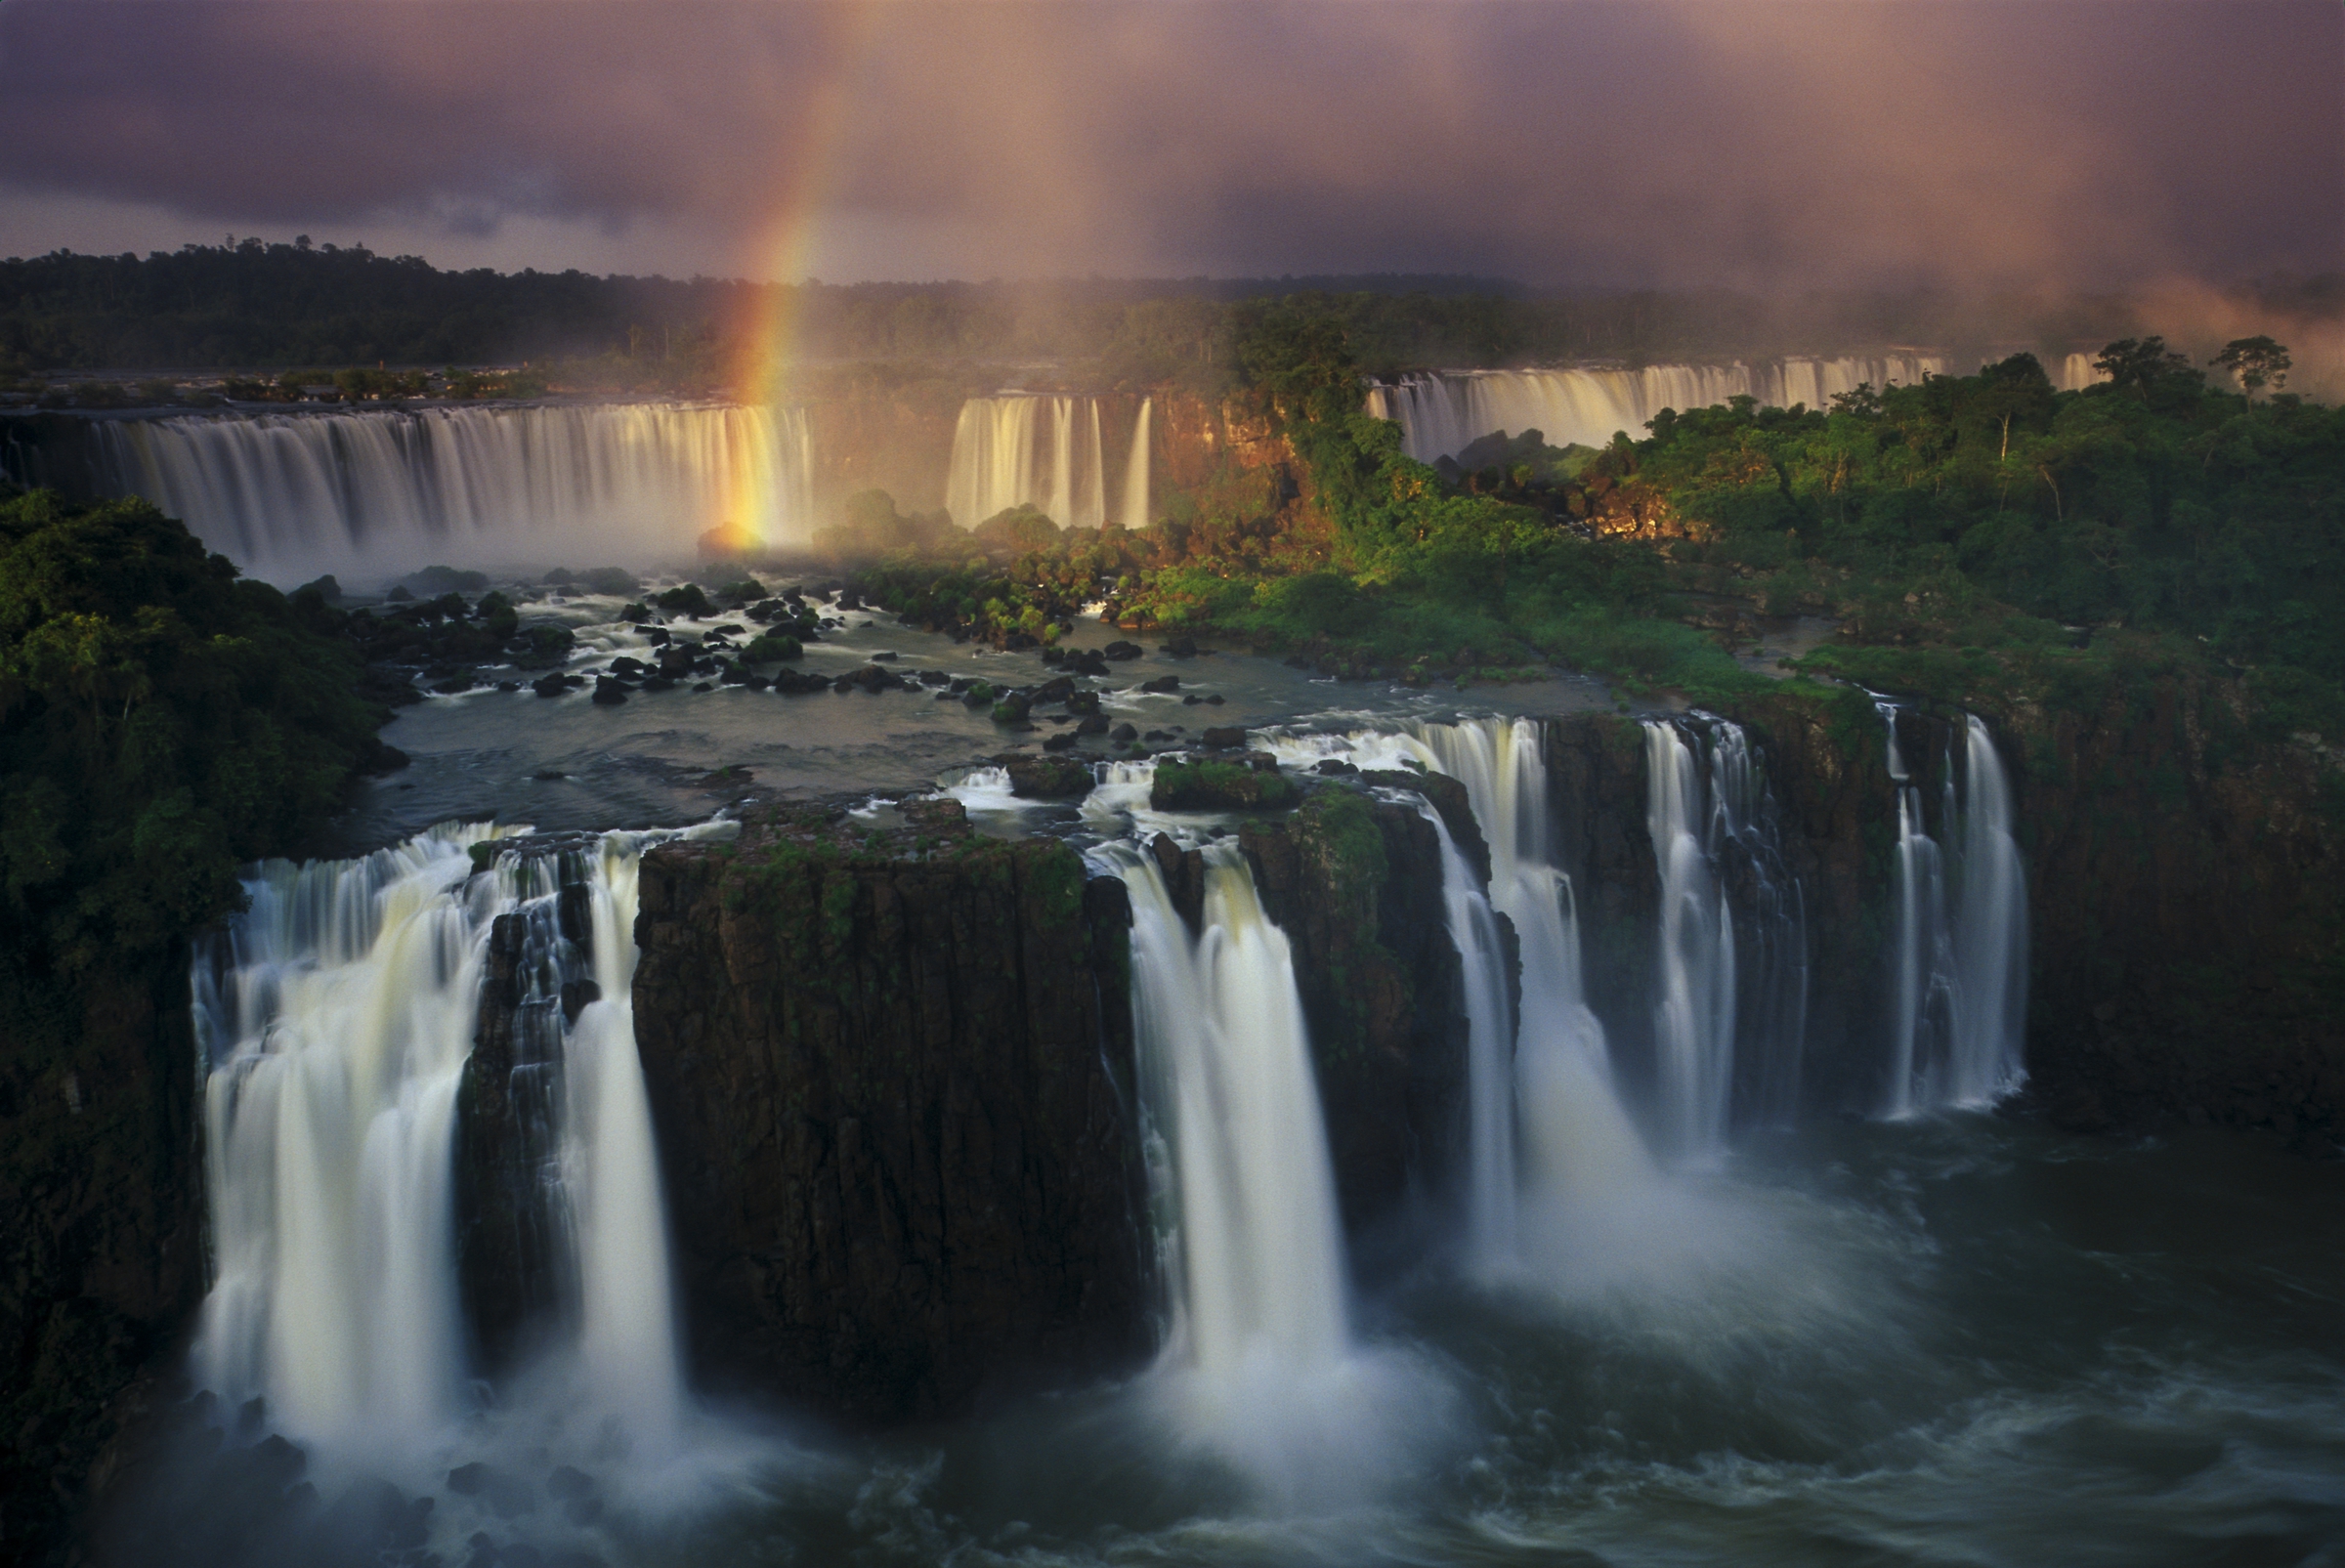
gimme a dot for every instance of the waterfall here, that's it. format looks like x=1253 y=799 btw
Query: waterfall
x=996 y=464
x=992 y=458
x=1771 y=960
x=1136 y=470
x=1958 y=963
x=1441 y=413
x=1553 y=1116
x=2076 y=372
x=289 y=495
x=1576 y=1137
x=1061 y=505
x=1491 y=1025
x=334 y=1017
x=1694 y=1010
x=1228 y=1064
x=1262 y=1366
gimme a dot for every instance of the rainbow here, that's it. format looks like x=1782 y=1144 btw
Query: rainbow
x=760 y=371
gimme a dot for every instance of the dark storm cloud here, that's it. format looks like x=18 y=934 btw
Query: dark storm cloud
x=1749 y=144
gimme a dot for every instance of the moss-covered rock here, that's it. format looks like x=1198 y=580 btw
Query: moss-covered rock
x=890 y=1074
x=1195 y=784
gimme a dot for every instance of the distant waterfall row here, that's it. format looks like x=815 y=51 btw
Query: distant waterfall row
x=336 y=1019
x=1440 y=414
x=393 y=489
x=1045 y=452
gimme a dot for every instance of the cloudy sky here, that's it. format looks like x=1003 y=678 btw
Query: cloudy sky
x=1743 y=143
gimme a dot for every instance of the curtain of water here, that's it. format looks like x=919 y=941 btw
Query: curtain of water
x=1694 y=1010
x=1439 y=414
x=304 y=492
x=997 y=464
x=1135 y=513
x=335 y=1016
x=1958 y=976
x=1230 y=1085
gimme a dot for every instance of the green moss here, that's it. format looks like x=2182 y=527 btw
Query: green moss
x=1182 y=785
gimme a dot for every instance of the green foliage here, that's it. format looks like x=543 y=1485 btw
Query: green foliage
x=769 y=648
x=160 y=723
x=1209 y=785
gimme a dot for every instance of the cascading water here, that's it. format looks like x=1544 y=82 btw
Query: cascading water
x=1576 y=1138
x=1000 y=461
x=992 y=458
x=2076 y=372
x=335 y=1016
x=1260 y=1364
x=1135 y=514
x=1694 y=1011
x=1440 y=414
x=1958 y=976
x=1491 y=1026
x=1549 y=1124
x=287 y=494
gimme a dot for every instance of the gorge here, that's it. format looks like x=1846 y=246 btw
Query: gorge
x=1318 y=1106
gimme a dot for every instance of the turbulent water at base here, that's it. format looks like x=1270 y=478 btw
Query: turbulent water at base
x=293 y=493
x=1958 y=972
x=1440 y=414
x=1261 y=1366
x=334 y=1017
x=1005 y=455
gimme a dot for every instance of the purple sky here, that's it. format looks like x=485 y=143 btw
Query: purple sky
x=1740 y=142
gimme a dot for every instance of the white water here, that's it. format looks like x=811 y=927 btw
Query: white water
x=1261 y=1367
x=1440 y=414
x=288 y=496
x=1693 y=1012
x=1001 y=459
x=1135 y=470
x=1491 y=1027
x=1546 y=1126
x=334 y=1021
x=2075 y=373
x=1958 y=959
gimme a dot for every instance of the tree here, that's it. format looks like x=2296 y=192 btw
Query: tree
x=2141 y=364
x=2255 y=362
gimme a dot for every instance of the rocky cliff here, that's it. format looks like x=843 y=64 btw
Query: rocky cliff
x=890 y=1075
x=1355 y=882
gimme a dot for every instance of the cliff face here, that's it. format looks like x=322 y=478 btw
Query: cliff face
x=2186 y=904
x=2188 y=892
x=1355 y=882
x=101 y=1254
x=890 y=1077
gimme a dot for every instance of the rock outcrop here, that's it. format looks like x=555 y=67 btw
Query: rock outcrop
x=890 y=1074
x=1355 y=882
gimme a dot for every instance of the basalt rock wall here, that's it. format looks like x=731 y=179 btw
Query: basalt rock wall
x=2188 y=893
x=1355 y=882
x=890 y=1078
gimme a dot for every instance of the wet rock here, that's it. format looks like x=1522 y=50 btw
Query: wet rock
x=1093 y=724
x=1120 y=651
x=1187 y=784
x=1045 y=778
x=1226 y=738
x=608 y=693
x=885 y=1086
x=1162 y=682
x=1124 y=733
